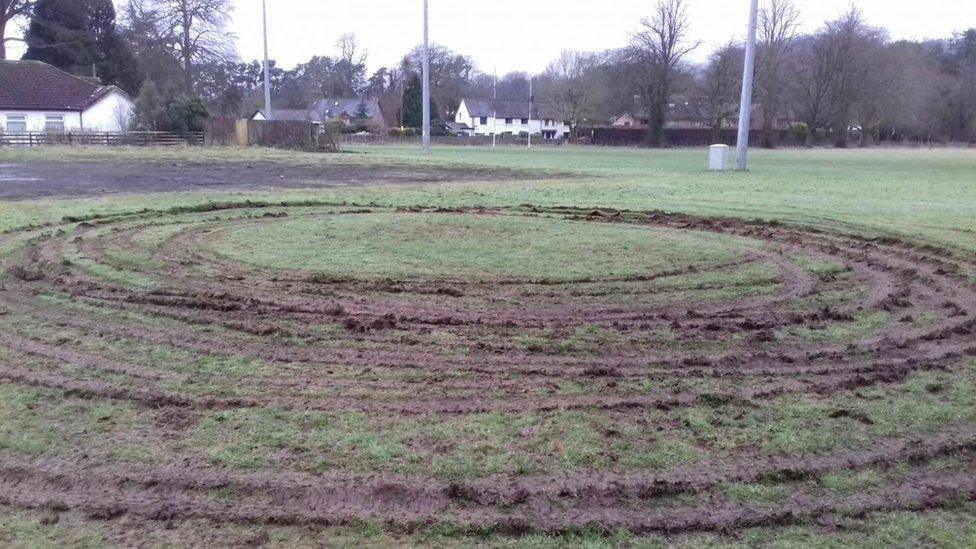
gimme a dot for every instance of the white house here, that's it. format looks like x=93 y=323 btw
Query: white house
x=492 y=116
x=37 y=97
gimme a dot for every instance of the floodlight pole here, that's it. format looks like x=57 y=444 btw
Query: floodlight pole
x=267 y=67
x=745 y=107
x=426 y=77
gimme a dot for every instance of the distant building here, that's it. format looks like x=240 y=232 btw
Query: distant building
x=289 y=115
x=682 y=115
x=685 y=115
x=37 y=97
x=351 y=111
x=488 y=116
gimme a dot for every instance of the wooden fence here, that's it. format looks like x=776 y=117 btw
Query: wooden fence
x=281 y=134
x=132 y=139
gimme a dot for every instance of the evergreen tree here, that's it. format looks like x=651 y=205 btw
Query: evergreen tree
x=76 y=35
x=413 y=103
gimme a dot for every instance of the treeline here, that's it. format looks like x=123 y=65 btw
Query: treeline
x=848 y=80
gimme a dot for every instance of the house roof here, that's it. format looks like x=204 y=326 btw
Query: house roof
x=337 y=107
x=37 y=86
x=291 y=115
x=457 y=126
x=510 y=109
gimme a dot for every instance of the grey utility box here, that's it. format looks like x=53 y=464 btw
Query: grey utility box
x=718 y=158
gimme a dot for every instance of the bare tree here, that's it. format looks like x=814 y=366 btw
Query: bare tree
x=350 y=66
x=659 y=51
x=199 y=33
x=830 y=72
x=855 y=47
x=778 y=24
x=569 y=86
x=11 y=10
x=718 y=86
x=124 y=117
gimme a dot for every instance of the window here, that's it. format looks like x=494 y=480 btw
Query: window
x=484 y=120
x=525 y=121
x=508 y=120
x=54 y=123
x=16 y=123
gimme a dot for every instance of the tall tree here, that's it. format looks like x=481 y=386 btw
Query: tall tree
x=855 y=45
x=779 y=21
x=659 y=51
x=350 y=68
x=961 y=93
x=413 y=103
x=151 y=43
x=59 y=34
x=76 y=35
x=718 y=86
x=451 y=76
x=569 y=87
x=11 y=11
x=198 y=31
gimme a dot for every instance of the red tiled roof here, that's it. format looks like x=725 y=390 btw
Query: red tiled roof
x=36 y=86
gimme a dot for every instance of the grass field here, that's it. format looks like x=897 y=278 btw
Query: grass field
x=563 y=347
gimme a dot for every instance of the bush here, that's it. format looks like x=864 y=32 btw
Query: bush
x=404 y=132
x=187 y=114
x=799 y=132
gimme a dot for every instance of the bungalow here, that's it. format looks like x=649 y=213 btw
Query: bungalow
x=37 y=97
x=351 y=111
x=492 y=116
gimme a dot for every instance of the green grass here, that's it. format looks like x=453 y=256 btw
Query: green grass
x=926 y=195
x=466 y=246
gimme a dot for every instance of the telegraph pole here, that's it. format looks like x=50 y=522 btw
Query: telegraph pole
x=494 y=110
x=530 y=111
x=426 y=70
x=745 y=107
x=267 y=67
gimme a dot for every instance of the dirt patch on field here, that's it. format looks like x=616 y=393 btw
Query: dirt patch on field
x=37 y=180
x=837 y=318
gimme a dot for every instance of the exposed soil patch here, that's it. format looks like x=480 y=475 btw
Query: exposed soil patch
x=37 y=180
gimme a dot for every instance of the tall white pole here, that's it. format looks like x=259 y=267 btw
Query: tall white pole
x=745 y=106
x=494 y=111
x=530 y=111
x=267 y=67
x=426 y=69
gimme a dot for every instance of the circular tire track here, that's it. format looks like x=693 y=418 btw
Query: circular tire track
x=106 y=271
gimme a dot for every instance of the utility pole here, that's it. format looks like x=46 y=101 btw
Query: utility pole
x=426 y=69
x=267 y=67
x=745 y=106
x=530 y=111
x=494 y=110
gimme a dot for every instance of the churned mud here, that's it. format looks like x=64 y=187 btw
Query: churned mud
x=46 y=179
x=724 y=348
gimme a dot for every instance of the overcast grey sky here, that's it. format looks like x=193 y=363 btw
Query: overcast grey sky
x=526 y=34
